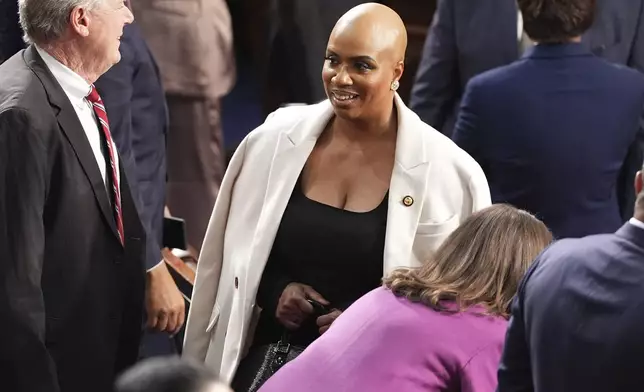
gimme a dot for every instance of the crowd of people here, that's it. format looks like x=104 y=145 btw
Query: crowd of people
x=490 y=236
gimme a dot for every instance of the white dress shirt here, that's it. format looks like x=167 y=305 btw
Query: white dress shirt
x=76 y=88
x=636 y=223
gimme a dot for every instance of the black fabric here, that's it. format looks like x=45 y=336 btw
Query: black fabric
x=338 y=253
x=71 y=295
x=10 y=32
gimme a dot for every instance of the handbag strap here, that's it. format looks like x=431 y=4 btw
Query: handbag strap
x=282 y=350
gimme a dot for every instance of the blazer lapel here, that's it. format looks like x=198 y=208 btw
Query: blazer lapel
x=409 y=179
x=73 y=130
x=291 y=153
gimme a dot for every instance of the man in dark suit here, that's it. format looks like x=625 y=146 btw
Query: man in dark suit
x=553 y=131
x=469 y=37
x=135 y=100
x=71 y=240
x=577 y=319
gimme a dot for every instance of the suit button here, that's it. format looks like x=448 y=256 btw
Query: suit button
x=236 y=282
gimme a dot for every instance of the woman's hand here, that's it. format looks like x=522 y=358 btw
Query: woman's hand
x=293 y=307
x=325 y=321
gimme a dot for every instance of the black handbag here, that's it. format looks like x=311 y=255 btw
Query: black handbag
x=262 y=362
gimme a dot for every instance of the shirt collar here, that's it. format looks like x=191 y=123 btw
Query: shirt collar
x=75 y=87
x=636 y=223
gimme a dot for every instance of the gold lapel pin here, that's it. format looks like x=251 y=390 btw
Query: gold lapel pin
x=408 y=201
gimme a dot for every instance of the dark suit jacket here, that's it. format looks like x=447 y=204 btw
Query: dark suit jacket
x=469 y=37
x=577 y=319
x=71 y=294
x=552 y=132
x=135 y=104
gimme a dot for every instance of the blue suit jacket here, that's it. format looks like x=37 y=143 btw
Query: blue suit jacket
x=136 y=108
x=552 y=133
x=577 y=319
x=468 y=37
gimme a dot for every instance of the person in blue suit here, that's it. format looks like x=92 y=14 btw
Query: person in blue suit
x=554 y=131
x=469 y=37
x=577 y=320
x=135 y=102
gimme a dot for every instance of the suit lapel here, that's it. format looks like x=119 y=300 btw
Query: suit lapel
x=409 y=179
x=73 y=131
x=291 y=153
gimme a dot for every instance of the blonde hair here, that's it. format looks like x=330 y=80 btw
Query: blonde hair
x=480 y=263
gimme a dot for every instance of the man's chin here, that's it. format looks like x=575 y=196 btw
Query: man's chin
x=117 y=57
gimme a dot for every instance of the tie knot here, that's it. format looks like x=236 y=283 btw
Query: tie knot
x=93 y=96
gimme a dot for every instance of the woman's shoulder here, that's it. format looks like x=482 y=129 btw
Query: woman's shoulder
x=440 y=148
x=284 y=119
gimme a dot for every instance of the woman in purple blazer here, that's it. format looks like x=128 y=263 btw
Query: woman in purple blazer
x=437 y=328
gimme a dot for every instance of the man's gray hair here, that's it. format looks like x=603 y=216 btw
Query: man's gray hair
x=44 y=21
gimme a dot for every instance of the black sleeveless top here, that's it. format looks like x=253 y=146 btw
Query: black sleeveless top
x=338 y=253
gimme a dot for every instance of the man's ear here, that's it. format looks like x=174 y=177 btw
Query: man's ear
x=79 y=20
x=638 y=183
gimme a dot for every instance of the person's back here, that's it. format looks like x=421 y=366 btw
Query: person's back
x=436 y=328
x=577 y=324
x=552 y=133
x=468 y=37
x=386 y=343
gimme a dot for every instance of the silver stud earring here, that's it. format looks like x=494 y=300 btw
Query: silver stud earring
x=395 y=85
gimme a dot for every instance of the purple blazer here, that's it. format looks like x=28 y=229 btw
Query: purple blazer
x=386 y=343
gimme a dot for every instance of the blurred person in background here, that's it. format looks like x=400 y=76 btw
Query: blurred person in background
x=168 y=375
x=467 y=38
x=193 y=44
x=72 y=242
x=439 y=327
x=322 y=200
x=134 y=98
x=554 y=130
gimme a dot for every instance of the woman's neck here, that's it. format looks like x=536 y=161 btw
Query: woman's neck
x=358 y=130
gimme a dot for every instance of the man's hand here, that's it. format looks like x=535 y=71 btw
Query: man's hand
x=325 y=321
x=163 y=301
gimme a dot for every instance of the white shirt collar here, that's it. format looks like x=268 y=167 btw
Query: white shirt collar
x=636 y=223
x=75 y=87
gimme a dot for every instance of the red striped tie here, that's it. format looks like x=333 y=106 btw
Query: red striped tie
x=99 y=109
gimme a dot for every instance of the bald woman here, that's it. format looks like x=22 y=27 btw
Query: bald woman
x=320 y=201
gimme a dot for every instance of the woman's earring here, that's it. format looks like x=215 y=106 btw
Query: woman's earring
x=395 y=85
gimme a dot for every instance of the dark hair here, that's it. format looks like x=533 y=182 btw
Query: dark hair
x=480 y=263
x=165 y=374
x=556 y=21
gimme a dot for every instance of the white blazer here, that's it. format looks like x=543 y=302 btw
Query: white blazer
x=445 y=183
